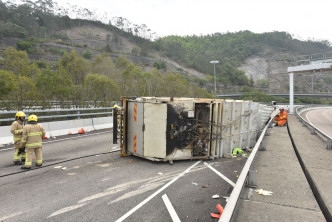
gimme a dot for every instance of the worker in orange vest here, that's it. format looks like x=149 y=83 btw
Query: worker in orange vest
x=281 y=118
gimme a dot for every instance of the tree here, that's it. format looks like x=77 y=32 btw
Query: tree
x=24 y=94
x=173 y=85
x=7 y=83
x=19 y=63
x=100 y=89
x=76 y=66
x=54 y=86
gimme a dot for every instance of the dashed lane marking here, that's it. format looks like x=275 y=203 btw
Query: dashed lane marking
x=66 y=209
x=171 y=209
x=155 y=193
x=220 y=174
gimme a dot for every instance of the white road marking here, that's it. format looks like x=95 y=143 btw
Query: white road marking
x=155 y=193
x=105 y=179
x=170 y=209
x=221 y=175
x=11 y=215
x=66 y=209
x=306 y=116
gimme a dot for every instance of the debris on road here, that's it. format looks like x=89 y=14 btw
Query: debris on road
x=220 y=209
x=194 y=183
x=264 y=192
x=57 y=167
x=205 y=186
x=216 y=196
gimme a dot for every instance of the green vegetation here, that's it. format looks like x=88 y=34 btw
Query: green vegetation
x=74 y=81
x=73 y=78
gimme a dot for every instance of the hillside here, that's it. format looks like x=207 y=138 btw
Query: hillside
x=49 y=37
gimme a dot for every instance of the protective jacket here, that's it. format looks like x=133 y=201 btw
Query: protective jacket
x=32 y=136
x=282 y=118
x=238 y=151
x=17 y=130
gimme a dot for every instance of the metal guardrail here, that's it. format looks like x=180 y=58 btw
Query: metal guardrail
x=312 y=128
x=70 y=113
x=230 y=207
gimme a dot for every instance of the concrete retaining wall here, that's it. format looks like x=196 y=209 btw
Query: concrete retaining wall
x=60 y=128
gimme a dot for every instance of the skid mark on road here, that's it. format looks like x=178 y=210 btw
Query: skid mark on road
x=156 y=193
x=11 y=215
x=66 y=209
x=140 y=190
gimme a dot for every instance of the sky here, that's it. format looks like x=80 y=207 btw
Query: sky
x=304 y=20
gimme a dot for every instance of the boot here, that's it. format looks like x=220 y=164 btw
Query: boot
x=25 y=168
x=39 y=165
x=17 y=163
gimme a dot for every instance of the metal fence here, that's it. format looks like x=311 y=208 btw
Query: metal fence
x=312 y=128
x=6 y=117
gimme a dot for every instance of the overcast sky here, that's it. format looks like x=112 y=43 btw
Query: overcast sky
x=304 y=19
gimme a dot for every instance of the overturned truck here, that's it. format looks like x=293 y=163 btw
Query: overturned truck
x=167 y=128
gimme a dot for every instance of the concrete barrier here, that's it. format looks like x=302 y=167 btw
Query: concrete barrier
x=6 y=137
x=60 y=128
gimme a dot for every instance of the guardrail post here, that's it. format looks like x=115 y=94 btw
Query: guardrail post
x=267 y=133
x=329 y=144
x=262 y=146
x=271 y=124
x=303 y=123
x=78 y=112
x=313 y=131
x=252 y=178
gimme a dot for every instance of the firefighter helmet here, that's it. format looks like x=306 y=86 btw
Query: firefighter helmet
x=281 y=109
x=32 y=118
x=19 y=114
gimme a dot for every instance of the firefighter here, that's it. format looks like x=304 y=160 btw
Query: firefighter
x=33 y=133
x=17 y=131
x=281 y=118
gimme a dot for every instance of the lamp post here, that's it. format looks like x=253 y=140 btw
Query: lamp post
x=214 y=68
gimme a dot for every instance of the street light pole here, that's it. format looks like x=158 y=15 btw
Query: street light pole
x=214 y=68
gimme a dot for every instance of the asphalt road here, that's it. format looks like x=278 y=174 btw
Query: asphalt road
x=102 y=186
x=321 y=119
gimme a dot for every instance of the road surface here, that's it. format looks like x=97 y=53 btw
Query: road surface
x=83 y=178
x=321 y=119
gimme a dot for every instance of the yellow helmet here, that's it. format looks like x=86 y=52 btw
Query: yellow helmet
x=33 y=118
x=19 y=114
x=115 y=106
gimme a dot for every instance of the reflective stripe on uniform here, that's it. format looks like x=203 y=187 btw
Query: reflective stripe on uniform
x=33 y=144
x=16 y=157
x=28 y=163
x=39 y=161
x=17 y=131
x=35 y=134
x=17 y=138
